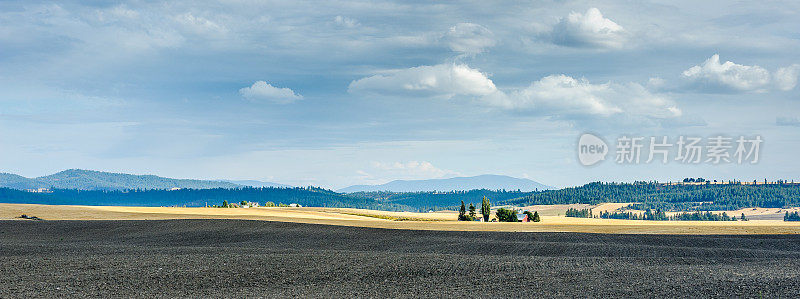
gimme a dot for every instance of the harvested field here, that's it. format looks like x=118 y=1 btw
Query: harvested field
x=399 y=220
x=213 y=258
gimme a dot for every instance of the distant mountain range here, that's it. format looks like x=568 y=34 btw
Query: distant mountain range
x=80 y=179
x=488 y=181
x=87 y=187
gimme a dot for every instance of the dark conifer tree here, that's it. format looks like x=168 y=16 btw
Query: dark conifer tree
x=471 y=211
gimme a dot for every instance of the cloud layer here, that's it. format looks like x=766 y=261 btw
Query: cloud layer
x=562 y=96
x=788 y=121
x=443 y=80
x=555 y=96
x=381 y=172
x=469 y=38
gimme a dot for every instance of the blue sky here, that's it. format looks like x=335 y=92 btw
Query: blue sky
x=338 y=93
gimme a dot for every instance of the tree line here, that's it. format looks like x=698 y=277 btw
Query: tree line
x=306 y=196
x=671 y=197
x=656 y=215
x=791 y=216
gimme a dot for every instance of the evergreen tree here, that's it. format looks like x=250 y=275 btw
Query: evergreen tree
x=536 y=217
x=471 y=211
x=486 y=209
x=462 y=212
x=791 y=217
x=743 y=218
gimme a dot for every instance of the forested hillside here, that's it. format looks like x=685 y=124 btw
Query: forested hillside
x=647 y=195
x=671 y=197
x=194 y=197
x=309 y=196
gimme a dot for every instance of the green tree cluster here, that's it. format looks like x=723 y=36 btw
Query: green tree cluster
x=462 y=213
x=506 y=215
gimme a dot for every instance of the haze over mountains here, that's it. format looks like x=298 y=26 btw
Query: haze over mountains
x=98 y=180
x=487 y=181
x=79 y=179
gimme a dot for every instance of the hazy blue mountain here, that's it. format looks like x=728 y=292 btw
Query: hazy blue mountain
x=257 y=184
x=14 y=181
x=97 y=180
x=487 y=181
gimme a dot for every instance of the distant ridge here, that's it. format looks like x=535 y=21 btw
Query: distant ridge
x=80 y=179
x=257 y=184
x=487 y=181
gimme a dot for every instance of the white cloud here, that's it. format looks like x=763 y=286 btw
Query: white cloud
x=443 y=80
x=563 y=96
x=786 y=77
x=713 y=75
x=469 y=38
x=346 y=22
x=588 y=30
x=263 y=91
x=557 y=96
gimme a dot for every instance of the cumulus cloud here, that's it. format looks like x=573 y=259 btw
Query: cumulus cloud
x=714 y=76
x=469 y=38
x=556 y=96
x=263 y=91
x=443 y=80
x=562 y=96
x=589 y=30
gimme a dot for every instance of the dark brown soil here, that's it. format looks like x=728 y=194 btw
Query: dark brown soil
x=236 y=258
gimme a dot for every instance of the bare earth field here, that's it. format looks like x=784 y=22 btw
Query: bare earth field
x=240 y=258
x=551 y=222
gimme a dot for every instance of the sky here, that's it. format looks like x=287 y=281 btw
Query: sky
x=336 y=93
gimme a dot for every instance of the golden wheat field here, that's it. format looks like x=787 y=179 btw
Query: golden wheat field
x=552 y=221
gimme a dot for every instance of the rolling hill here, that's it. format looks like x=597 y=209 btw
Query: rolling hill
x=489 y=182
